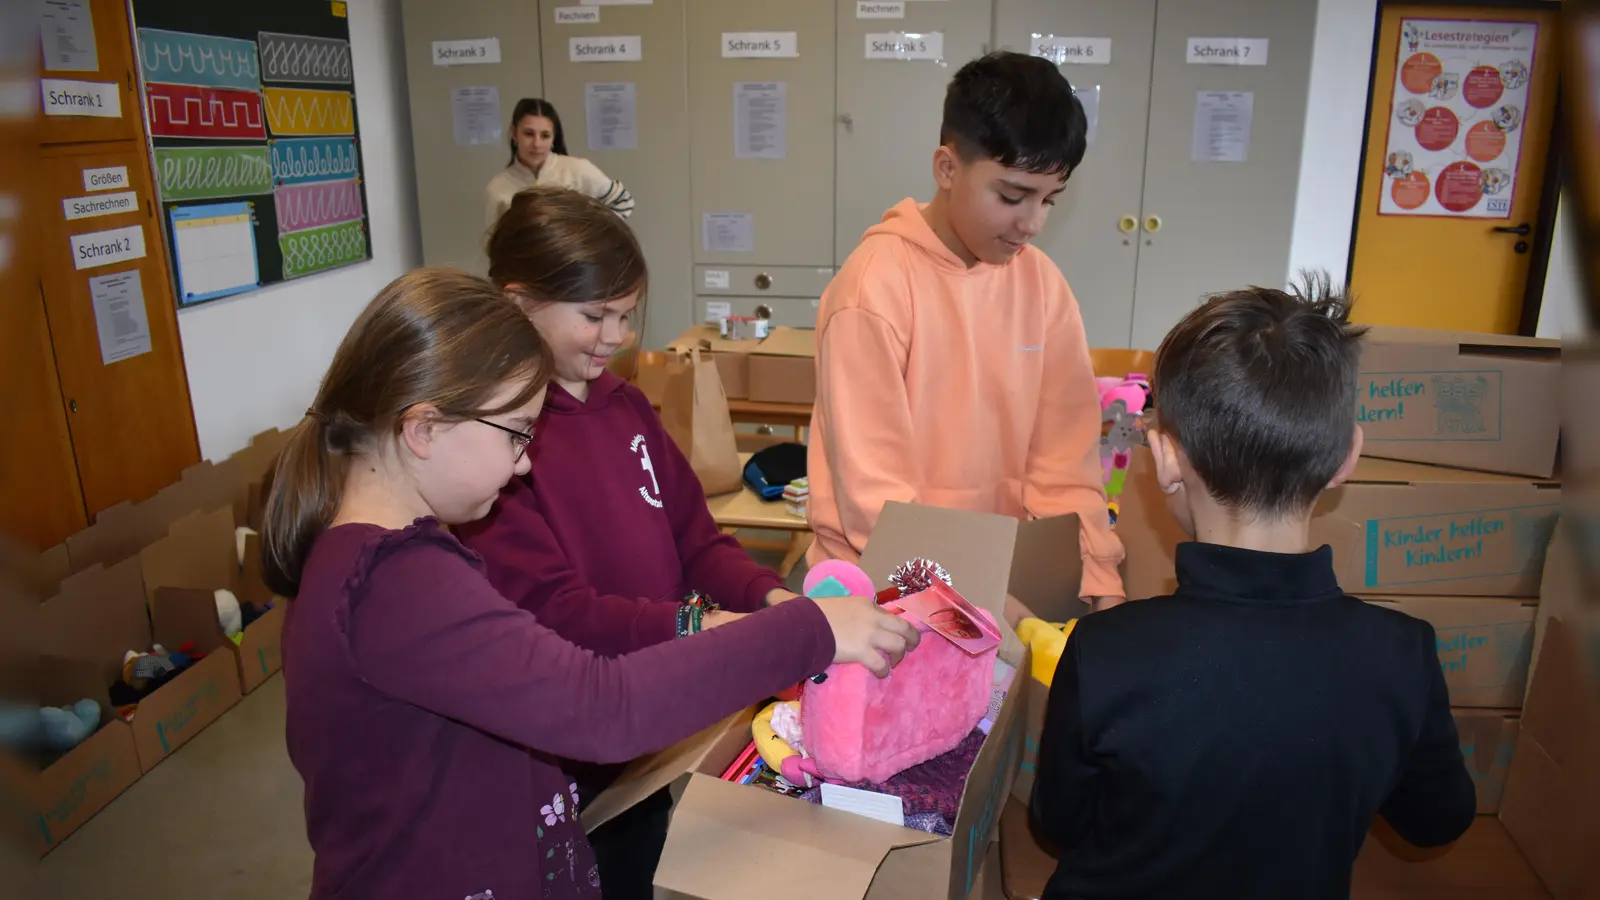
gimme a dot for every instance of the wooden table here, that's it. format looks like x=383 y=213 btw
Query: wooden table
x=744 y=509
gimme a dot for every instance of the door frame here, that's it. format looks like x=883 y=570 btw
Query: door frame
x=1554 y=173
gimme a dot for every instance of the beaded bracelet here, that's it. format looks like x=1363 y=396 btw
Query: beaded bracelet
x=691 y=615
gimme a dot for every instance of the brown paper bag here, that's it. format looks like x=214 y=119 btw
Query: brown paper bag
x=694 y=409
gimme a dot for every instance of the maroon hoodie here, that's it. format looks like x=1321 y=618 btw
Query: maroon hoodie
x=425 y=712
x=610 y=529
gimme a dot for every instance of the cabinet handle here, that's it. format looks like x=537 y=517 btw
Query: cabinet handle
x=1128 y=224
x=848 y=121
x=1522 y=230
x=1152 y=224
x=763 y=281
x=72 y=405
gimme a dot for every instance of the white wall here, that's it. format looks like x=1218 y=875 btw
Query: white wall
x=1330 y=163
x=1559 y=313
x=254 y=361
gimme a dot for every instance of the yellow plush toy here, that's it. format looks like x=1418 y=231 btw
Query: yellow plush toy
x=1047 y=640
x=776 y=731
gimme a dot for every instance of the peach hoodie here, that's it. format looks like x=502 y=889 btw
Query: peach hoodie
x=953 y=387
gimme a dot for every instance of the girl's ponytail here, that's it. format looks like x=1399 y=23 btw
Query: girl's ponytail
x=306 y=488
x=433 y=336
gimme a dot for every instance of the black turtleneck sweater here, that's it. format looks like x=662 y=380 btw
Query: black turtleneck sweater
x=1237 y=738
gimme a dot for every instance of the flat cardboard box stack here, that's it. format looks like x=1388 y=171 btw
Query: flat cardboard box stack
x=735 y=841
x=1451 y=527
x=145 y=573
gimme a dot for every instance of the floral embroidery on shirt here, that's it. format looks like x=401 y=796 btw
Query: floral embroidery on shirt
x=555 y=811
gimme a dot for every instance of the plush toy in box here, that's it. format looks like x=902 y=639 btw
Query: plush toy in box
x=849 y=725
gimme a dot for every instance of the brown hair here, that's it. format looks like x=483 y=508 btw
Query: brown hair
x=433 y=336
x=562 y=246
x=1259 y=389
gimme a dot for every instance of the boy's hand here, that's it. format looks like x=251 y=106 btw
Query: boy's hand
x=1100 y=604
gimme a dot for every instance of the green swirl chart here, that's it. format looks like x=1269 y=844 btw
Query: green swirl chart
x=254 y=124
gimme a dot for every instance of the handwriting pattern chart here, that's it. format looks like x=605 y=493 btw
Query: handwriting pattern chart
x=254 y=123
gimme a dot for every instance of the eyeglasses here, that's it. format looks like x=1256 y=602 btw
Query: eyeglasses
x=519 y=439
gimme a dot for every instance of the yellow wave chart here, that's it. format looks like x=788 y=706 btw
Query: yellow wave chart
x=296 y=111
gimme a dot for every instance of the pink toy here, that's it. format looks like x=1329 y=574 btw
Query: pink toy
x=847 y=575
x=860 y=728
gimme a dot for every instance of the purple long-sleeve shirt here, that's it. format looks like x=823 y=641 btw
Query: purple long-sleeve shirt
x=425 y=712
x=610 y=529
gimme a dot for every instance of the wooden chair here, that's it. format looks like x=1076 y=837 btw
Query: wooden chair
x=1115 y=362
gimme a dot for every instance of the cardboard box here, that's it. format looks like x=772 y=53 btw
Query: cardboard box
x=182 y=572
x=103 y=612
x=1395 y=528
x=783 y=368
x=735 y=841
x=1477 y=401
x=1488 y=742
x=732 y=357
x=1553 y=788
x=87 y=778
x=1485 y=645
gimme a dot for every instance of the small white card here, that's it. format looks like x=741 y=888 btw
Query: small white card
x=475 y=52
x=717 y=310
x=873 y=805
x=880 y=9
x=1072 y=50
x=105 y=179
x=760 y=44
x=619 y=48
x=93 y=99
x=577 y=15
x=905 y=45
x=100 y=205
x=1227 y=51
x=717 y=279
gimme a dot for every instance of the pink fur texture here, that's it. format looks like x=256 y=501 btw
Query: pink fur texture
x=859 y=728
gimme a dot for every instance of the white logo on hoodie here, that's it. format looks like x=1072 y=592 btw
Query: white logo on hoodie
x=652 y=494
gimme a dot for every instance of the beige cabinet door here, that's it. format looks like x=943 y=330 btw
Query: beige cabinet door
x=1104 y=49
x=620 y=86
x=761 y=103
x=452 y=170
x=892 y=75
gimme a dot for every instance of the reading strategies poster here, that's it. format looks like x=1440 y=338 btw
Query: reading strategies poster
x=1460 y=92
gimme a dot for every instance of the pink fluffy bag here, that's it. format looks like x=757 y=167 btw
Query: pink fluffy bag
x=860 y=728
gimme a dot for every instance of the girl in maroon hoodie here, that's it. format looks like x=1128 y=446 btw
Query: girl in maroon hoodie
x=609 y=531
x=425 y=710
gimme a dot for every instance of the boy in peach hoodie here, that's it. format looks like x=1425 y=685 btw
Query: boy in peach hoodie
x=952 y=368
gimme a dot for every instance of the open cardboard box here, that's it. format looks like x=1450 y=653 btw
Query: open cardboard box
x=1478 y=401
x=101 y=614
x=1488 y=743
x=1553 y=788
x=1485 y=644
x=1395 y=528
x=737 y=841
x=182 y=571
x=88 y=777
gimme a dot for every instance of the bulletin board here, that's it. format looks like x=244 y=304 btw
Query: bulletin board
x=251 y=110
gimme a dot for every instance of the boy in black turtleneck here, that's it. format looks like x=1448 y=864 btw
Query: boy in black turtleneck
x=1237 y=738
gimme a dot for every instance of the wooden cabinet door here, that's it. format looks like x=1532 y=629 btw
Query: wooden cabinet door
x=43 y=502
x=132 y=426
x=82 y=67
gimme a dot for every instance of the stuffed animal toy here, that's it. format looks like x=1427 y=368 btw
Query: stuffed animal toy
x=855 y=727
x=777 y=734
x=230 y=615
x=1122 y=404
x=1047 y=640
x=63 y=727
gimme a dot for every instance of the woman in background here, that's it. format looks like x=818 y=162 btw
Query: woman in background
x=539 y=157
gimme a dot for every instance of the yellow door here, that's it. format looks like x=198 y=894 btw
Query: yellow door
x=1463 y=106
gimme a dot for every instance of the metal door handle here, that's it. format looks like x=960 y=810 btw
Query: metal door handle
x=848 y=121
x=1522 y=230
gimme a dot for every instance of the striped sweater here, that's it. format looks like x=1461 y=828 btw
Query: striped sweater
x=572 y=172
